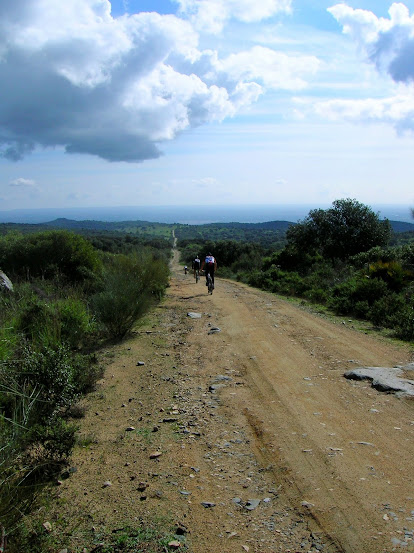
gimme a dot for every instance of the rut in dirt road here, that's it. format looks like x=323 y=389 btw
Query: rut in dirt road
x=341 y=451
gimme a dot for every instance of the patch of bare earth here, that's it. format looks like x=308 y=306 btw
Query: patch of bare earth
x=248 y=438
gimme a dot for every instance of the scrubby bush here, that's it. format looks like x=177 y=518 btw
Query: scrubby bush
x=76 y=323
x=387 y=310
x=49 y=254
x=130 y=284
x=356 y=295
x=392 y=273
x=39 y=322
x=404 y=325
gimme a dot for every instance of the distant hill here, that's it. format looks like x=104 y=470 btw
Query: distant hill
x=401 y=226
x=183 y=231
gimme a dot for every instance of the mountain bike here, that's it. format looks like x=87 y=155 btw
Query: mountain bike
x=210 y=285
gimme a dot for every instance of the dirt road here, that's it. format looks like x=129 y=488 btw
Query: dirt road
x=240 y=426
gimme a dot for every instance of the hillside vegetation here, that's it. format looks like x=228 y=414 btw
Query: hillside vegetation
x=68 y=299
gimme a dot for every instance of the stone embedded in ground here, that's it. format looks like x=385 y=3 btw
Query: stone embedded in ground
x=214 y=330
x=385 y=379
x=140 y=364
x=208 y=504
x=155 y=454
x=252 y=504
x=222 y=377
x=107 y=484
x=194 y=315
x=130 y=429
x=174 y=544
x=47 y=526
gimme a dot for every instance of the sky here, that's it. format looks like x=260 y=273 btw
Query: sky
x=205 y=102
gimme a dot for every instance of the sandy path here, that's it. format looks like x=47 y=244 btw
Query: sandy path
x=257 y=411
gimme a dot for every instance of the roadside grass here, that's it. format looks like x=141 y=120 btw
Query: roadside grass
x=145 y=539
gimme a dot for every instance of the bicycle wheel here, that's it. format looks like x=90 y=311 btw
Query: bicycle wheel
x=210 y=285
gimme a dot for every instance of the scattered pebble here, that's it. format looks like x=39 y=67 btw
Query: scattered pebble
x=155 y=454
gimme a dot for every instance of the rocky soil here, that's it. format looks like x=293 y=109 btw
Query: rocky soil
x=228 y=417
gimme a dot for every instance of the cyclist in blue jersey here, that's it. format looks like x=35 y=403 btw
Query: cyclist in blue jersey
x=209 y=265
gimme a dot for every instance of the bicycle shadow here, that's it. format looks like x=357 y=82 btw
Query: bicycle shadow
x=194 y=296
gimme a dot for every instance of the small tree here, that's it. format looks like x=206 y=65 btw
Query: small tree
x=346 y=229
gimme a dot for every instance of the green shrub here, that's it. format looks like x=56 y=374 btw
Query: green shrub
x=356 y=295
x=387 y=310
x=392 y=273
x=76 y=324
x=49 y=254
x=39 y=322
x=404 y=324
x=130 y=284
x=86 y=372
x=317 y=295
x=50 y=371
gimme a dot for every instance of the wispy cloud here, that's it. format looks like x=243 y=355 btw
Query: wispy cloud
x=211 y=15
x=23 y=183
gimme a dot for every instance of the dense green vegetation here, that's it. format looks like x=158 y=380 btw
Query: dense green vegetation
x=268 y=235
x=68 y=298
x=344 y=257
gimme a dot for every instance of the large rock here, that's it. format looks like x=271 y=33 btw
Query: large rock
x=385 y=379
x=5 y=283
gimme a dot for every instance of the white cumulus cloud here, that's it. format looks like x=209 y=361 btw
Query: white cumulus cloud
x=74 y=76
x=388 y=42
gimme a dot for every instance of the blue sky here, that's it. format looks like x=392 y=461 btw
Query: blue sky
x=146 y=102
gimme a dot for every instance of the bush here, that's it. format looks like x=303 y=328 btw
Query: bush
x=34 y=439
x=391 y=272
x=356 y=295
x=404 y=324
x=387 y=311
x=39 y=322
x=49 y=254
x=76 y=324
x=130 y=285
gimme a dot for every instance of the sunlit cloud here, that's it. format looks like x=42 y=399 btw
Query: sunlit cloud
x=118 y=88
x=387 y=42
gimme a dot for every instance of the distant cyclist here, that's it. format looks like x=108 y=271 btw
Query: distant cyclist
x=196 y=265
x=210 y=267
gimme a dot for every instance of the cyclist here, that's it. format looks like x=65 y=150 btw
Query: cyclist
x=210 y=267
x=196 y=265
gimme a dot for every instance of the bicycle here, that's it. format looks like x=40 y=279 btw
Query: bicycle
x=210 y=285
